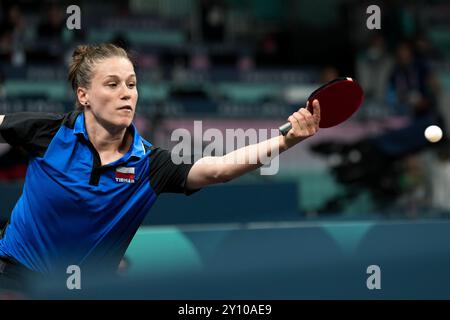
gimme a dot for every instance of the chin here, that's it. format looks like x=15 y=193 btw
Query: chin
x=124 y=122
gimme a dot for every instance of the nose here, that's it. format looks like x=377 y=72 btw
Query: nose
x=125 y=93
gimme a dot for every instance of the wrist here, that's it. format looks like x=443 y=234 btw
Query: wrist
x=283 y=143
x=287 y=143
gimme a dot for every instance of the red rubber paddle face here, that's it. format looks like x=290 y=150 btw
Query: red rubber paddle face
x=338 y=99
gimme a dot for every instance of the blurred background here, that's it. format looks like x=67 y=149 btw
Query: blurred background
x=250 y=64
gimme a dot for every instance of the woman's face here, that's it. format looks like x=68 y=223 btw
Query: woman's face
x=113 y=95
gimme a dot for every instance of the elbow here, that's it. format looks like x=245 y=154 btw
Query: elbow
x=214 y=170
x=222 y=176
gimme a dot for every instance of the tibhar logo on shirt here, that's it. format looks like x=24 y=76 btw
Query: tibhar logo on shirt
x=124 y=174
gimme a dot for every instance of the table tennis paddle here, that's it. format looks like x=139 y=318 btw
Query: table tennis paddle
x=338 y=99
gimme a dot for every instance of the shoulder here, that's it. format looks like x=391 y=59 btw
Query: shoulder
x=16 y=123
x=34 y=130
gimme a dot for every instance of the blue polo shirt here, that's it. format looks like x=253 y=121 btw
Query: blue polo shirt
x=73 y=210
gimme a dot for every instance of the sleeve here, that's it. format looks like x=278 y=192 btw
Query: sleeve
x=166 y=176
x=33 y=131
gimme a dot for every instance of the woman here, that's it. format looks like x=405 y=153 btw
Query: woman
x=92 y=178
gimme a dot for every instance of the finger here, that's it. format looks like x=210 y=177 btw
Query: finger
x=296 y=122
x=309 y=121
x=304 y=108
x=294 y=125
x=298 y=114
x=308 y=118
x=305 y=113
x=316 y=112
x=300 y=117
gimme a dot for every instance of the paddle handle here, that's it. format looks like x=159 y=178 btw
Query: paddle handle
x=284 y=129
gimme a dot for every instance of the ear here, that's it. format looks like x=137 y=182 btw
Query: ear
x=82 y=95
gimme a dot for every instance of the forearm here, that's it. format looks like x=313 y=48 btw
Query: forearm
x=211 y=170
x=249 y=158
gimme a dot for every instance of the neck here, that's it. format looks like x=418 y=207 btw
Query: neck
x=107 y=138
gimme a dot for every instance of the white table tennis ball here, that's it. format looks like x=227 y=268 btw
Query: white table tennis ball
x=433 y=133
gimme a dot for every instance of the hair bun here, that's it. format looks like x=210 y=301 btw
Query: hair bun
x=80 y=51
x=77 y=58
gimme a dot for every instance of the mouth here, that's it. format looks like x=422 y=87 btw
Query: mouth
x=126 y=108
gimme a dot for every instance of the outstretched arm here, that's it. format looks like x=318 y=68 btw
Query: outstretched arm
x=1 y=121
x=211 y=170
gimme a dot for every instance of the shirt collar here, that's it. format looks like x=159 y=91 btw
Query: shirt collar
x=137 y=148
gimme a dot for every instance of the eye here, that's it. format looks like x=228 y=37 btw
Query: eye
x=112 y=84
x=132 y=85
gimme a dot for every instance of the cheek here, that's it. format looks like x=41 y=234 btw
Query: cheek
x=103 y=97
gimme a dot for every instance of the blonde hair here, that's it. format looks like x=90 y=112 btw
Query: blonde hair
x=83 y=62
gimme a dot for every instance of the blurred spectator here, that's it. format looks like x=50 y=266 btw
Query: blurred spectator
x=52 y=26
x=50 y=47
x=14 y=23
x=373 y=67
x=147 y=61
x=424 y=48
x=410 y=92
x=413 y=185
x=274 y=49
x=12 y=36
x=213 y=20
x=439 y=176
x=199 y=61
x=6 y=46
x=245 y=63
